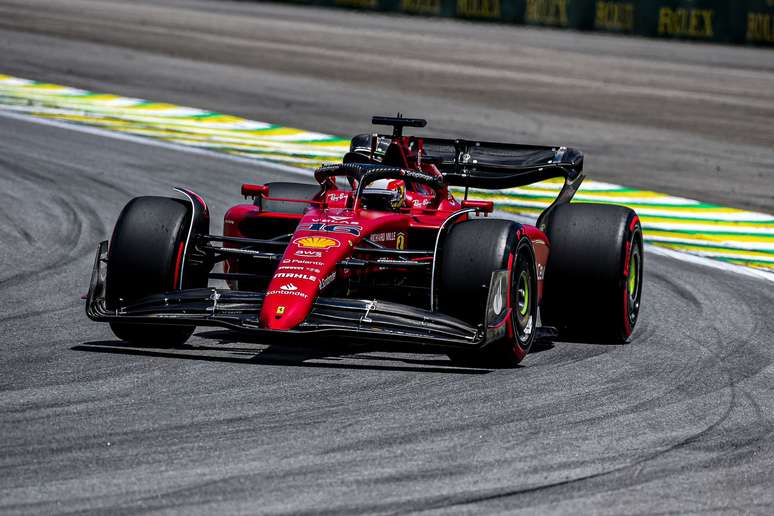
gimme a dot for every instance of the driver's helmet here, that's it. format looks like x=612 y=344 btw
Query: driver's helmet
x=399 y=188
x=385 y=194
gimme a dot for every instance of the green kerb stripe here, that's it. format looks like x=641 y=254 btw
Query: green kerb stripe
x=304 y=150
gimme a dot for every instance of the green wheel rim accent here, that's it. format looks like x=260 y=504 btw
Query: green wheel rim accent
x=523 y=292
x=633 y=267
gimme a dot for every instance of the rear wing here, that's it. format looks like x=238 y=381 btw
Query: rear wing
x=479 y=164
x=491 y=165
x=485 y=165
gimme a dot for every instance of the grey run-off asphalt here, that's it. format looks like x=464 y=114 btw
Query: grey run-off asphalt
x=678 y=420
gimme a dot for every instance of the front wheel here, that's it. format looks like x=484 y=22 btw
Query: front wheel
x=471 y=252
x=145 y=257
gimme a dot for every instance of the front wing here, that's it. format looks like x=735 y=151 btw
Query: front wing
x=357 y=318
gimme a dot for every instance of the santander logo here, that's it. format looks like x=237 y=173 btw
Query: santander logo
x=289 y=286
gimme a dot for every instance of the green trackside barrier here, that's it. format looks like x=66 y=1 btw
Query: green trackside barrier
x=704 y=20
x=428 y=7
x=495 y=10
x=422 y=7
x=573 y=14
x=727 y=21
x=759 y=22
x=369 y=5
x=373 y=5
x=615 y=16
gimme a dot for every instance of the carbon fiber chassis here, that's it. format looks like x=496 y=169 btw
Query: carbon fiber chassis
x=360 y=318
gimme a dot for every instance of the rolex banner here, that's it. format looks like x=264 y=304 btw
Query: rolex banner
x=758 y=25
x=726 y=21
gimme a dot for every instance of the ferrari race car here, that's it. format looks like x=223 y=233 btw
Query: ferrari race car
x=380 y=249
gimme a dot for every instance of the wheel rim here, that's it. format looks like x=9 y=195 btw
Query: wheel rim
x=633 y=274
x=522 y=295
x=634 y=281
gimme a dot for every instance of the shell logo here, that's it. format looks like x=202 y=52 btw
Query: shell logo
x=316 y=242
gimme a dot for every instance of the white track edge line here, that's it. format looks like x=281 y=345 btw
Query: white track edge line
x=678 y=255
x=154 y=143
x=709 y=262
x=671 y=253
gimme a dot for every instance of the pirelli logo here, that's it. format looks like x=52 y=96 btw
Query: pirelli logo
x=421 y=6
x=547 y=12
x=694 y=23
x=479 y=8
x=614 y=16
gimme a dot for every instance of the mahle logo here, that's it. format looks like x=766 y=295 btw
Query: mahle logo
x=315 y=242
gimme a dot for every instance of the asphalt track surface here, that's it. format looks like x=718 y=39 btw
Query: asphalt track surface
x=680 y=420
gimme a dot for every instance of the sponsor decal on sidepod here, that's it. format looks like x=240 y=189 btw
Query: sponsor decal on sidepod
x=316 y=242
x=327 y=280
x=308 y=254
x=383 y=237
x=351 y=227
x=400 y=241
x=287 y=293
x=304 y=262
x=296 y=275
x=289 y=289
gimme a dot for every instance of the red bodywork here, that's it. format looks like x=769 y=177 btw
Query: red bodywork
x=392 y=257
x=333 y=226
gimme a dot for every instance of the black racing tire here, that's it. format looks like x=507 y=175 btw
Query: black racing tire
x=593 y=281
x=144 y=259
x=471 y=252
x=152 y=335
x=284 y=190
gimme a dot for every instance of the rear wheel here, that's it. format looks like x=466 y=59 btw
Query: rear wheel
x=593 y=282
x=472 y=251
x=144 y=258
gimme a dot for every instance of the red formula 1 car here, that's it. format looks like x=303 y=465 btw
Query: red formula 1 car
x=392 y=256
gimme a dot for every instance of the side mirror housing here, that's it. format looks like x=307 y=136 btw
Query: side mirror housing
x=249 y=190
x=481 y=206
